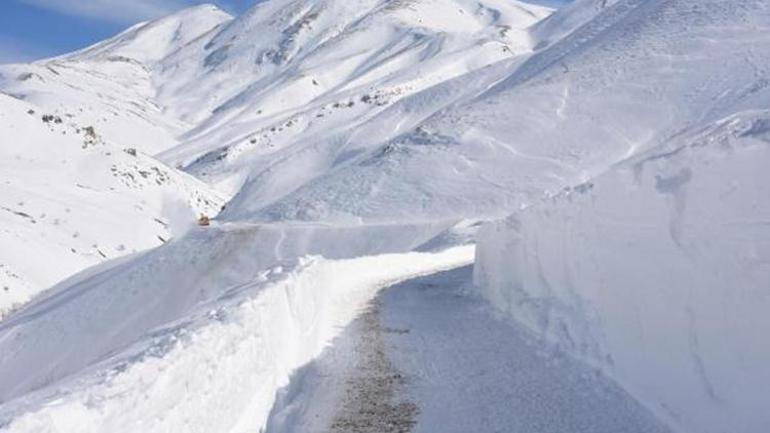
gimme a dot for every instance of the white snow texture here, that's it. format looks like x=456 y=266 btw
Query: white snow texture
x=604 y=161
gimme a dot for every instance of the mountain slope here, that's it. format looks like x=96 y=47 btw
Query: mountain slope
x=112 y=85
x=637 y=74
x=150 y=42
x=80 y=186
x=133 y=89
x=321 y=69
x=71 y=199
x=338 y=44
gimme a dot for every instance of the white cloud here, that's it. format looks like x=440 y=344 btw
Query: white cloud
x=116 y=11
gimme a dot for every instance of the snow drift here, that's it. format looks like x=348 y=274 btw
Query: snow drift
x=657 y=272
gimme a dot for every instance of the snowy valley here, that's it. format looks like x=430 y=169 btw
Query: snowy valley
x=426 y=215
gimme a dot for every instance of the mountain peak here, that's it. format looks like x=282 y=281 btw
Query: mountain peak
x=151 y=41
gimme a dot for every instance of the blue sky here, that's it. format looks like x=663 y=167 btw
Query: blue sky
x=33 y=29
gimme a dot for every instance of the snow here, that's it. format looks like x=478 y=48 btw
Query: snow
x=427 y=355
x=620 y=144
x=113 y=85
x=567 y=19
x=657 y=273
x=151 y=42
x=227 y=354
x=339 y=44
x=322 y=70
x=70 y=199
x=636 y=75
x=656 y=270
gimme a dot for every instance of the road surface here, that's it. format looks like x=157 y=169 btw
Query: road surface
x=425 y=357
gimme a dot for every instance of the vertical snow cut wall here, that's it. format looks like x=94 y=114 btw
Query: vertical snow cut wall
x=657 y=273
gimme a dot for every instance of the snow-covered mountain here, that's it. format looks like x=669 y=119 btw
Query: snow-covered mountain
x=71 y=199
x=625 y=82
x=611 y=137
x=197 y=87
x=319 y=71
x=78 y=137
x=111 y=85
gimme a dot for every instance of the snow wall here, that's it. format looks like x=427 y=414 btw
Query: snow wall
x=200 y=334
x=657 y=273
x=220 y=368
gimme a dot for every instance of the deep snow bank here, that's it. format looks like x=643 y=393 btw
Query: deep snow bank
x=103 y=311
x=658 y=272
x=218 y=366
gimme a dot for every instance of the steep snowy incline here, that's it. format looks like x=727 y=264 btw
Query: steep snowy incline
x=70 y=199
x=566 y=20
x=112 y=85
x=76 y=132
x=310 y=48
x=630 y=135
x=151 y=42
x=317 y=70
x=657 y=272
x=637 y=74
x=321 y=69
x=132 y=90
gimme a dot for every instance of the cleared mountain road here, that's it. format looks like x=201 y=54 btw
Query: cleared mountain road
x=426 y=357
